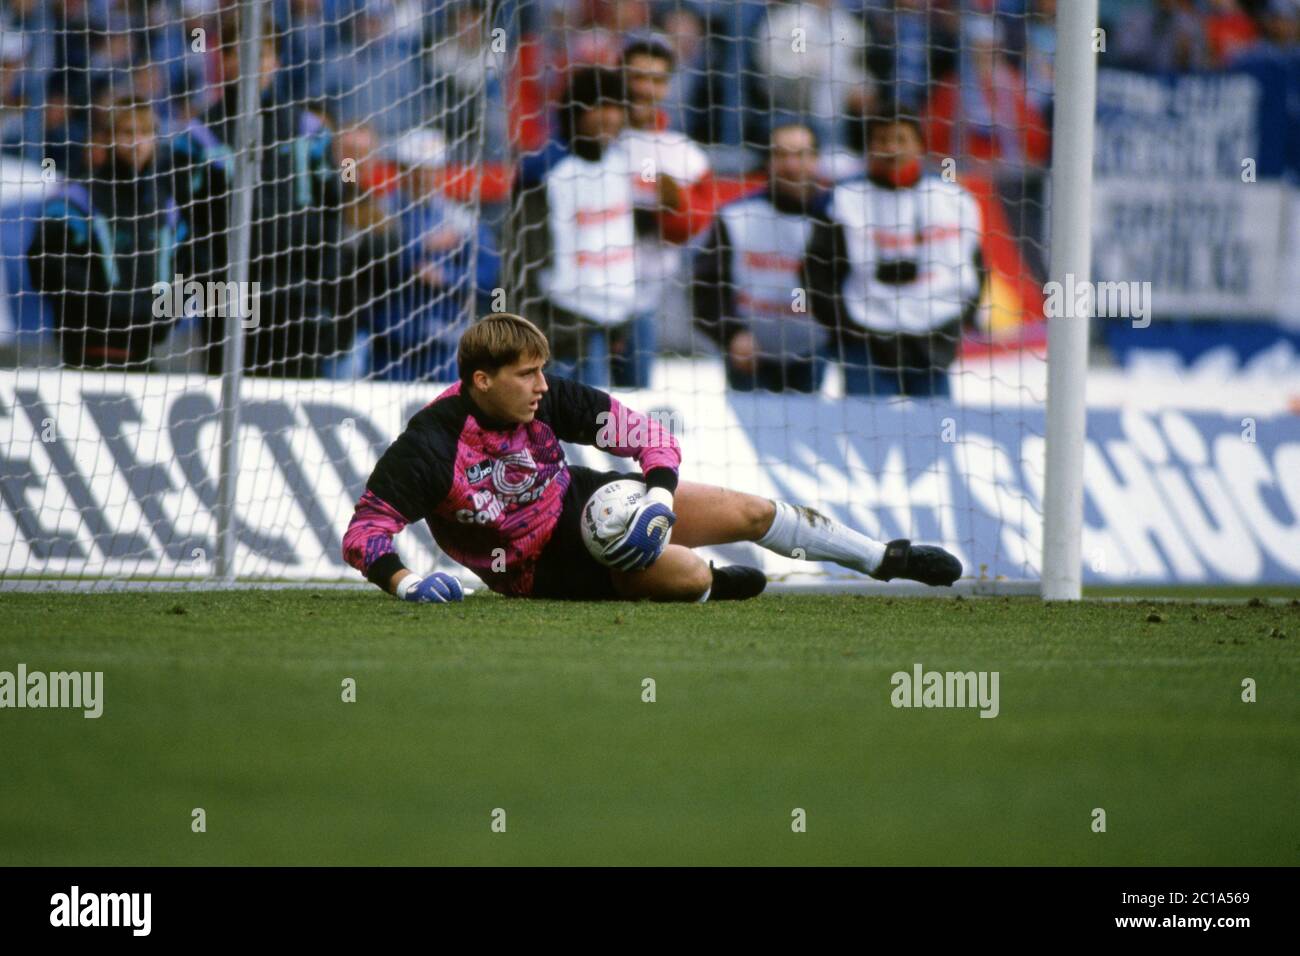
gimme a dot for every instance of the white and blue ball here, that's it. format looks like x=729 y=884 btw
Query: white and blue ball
x=606 y=515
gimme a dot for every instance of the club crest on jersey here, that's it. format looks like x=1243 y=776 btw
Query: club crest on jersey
x=514 y=473
x=478 y=471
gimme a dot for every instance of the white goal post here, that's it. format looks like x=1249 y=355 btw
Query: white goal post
x=1067 y=335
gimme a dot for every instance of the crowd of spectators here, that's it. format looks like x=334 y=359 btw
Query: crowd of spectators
x=405 y=143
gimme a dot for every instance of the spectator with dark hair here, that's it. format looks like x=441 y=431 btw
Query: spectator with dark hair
x=572 y=234
x=747 y=274
x=106 y=241
x=896 y=271
x=295 y=215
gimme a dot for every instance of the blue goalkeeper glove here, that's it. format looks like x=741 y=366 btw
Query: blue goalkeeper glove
x=436 y=588
x=647 y=533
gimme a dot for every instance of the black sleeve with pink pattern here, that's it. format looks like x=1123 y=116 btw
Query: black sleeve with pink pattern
x=575 y=412
x=589 y=416
x=415 y=473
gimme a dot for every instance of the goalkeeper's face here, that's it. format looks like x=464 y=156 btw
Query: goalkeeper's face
x=513 y=392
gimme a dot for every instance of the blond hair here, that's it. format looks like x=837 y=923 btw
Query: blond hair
x=497 y=340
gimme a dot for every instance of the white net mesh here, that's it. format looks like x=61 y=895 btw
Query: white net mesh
x=807 y=234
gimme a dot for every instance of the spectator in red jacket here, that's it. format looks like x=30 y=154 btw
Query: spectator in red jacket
x=1228 y=30
x=981 y=111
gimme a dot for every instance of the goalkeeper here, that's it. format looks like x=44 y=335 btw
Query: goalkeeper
x=483 y=465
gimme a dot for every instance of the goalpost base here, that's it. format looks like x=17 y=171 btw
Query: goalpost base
x=862 y=586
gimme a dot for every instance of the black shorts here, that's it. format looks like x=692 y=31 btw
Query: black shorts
x=566 y=570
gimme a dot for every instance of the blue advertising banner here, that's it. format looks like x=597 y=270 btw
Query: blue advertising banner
x=1170 y=496
x=1195 y=186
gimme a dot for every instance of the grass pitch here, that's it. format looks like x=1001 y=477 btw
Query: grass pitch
x=232 y=702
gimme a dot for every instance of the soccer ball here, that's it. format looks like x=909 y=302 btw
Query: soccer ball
x=606 y=514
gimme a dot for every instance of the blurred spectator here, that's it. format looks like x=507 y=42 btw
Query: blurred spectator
x=365 y=259
x=664 y=163
x=572 y=233
x=1165 y=35
x=146 y=80
x=381 y=81
x=123 y=43
x=71 y=28
x=115 y=44
x=295 y=215
x=732 y=86
x=376 y=173
x=897 y=270
x=686 y=101
x=580 y=33
x=1228 y=30
x=593 y=32
x=187 y=53
x=983 y=112
x=26 y=47
x=447 y=266
x=1281 y=22
x=469 y=76
x=1040 y=57
x=747 y=274
x=812 y=55
x=65 y=125
x=308 y=43
x=909 y=44
x=14 y=81
x=104 y=242
x=19 y=15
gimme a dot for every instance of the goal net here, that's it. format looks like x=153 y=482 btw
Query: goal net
x=241 y=240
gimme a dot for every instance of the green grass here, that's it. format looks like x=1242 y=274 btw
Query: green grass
x=1194 y=592
x=231 y=702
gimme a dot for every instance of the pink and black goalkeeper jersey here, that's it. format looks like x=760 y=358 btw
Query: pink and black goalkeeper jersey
x=489 y=487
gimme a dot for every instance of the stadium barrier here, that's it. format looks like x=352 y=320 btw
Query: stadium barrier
x=1182 y=487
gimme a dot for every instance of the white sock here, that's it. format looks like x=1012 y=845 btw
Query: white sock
x=813 y=536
